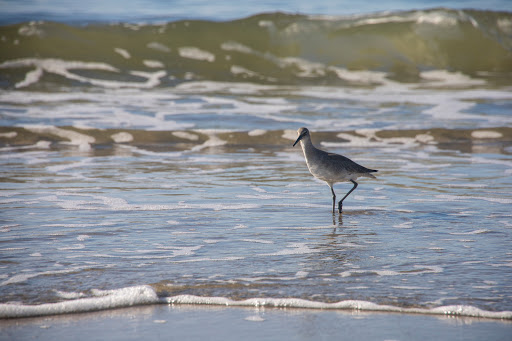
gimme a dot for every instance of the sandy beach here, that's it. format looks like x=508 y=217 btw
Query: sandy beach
x=184 y=322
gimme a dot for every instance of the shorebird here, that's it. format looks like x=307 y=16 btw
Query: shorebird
x=330 y=167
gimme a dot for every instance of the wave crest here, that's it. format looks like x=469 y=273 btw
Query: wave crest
x=273 y=48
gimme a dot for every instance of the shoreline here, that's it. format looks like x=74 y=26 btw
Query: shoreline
x=194 y=322
x=146 y=295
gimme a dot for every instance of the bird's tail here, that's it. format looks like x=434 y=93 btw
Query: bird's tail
x=369 y=173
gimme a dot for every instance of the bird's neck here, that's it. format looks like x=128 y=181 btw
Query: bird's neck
x=307 y=146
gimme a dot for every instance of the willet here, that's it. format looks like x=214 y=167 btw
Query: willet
x=330 y=167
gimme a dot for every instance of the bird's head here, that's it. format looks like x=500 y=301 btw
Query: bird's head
x=302 y=132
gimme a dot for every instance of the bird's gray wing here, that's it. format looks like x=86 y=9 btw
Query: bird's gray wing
x=347 y=164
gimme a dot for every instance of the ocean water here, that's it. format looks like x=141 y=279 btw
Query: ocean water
x=152 y=163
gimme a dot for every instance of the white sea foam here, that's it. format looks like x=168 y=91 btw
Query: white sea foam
x=213 y=141
x=409 y=287
x=454 y=310
x=265 y=196
x=122 y=137
x=361 y=77
x=158 y=46
x=478 y=231
x=83 y=237
x=254 y=318
x=208 y=259
x=64 y=68
x=119 y=298
x=473 y=197
x=19 y=278
x=69 y=295
x=235 y=46
x=30 y=78
x=125 y=54
x=369 y=138
x=141 y=151
x=61 y=167
x=404 y=225
x=31 y=29
x=290 y=135
x=307 y=69
x=257 y=132
x=153 y=63
x=185 y=135
x=9 y=135
x=260 y=241
x=240 y=70
x=445 y=78
x=486 y=134
x=86 y=201
x=75 y=138
x=294 y=249
x=210 y=86
x=349 y=273
x=142 y=295
x=196 y=53
x=28 y=155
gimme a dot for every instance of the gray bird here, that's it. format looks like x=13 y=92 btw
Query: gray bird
x=331 y=167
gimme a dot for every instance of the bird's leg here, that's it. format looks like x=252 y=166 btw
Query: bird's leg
x=340 y=204
x=333 y=200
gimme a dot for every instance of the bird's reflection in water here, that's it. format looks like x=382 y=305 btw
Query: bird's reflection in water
x=337 y=220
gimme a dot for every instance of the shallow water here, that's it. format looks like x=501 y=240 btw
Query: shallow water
x=240 y=221
x=194 y=189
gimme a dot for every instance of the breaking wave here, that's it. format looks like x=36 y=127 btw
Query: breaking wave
x=272 y=48
x=143 y=295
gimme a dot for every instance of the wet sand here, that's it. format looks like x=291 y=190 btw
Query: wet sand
x=184 y=322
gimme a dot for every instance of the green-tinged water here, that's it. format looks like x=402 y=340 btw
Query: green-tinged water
x=269 y=48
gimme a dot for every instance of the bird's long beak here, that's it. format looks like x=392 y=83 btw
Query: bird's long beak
x=298 y=139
